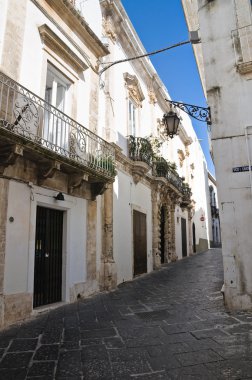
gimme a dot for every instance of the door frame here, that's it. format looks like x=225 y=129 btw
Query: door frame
x=143 y=211
x=45 y=198
x=51 y=221
x=184 y=236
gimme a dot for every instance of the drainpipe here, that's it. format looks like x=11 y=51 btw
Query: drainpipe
x=248 y=154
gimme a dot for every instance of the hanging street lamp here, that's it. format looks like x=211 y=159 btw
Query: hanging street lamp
x=171 y=119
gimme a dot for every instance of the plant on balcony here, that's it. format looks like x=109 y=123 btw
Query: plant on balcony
x=156 y=144
x=161 y=166
x=172 y=166
x=107 y=164
x=140 y=149
x=186 y=190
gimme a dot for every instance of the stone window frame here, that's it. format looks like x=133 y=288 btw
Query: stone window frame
x=135 y=97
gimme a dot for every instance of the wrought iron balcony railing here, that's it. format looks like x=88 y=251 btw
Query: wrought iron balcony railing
x=140 y=149
x=187 y=193
x=29 y=116
x=161 y=168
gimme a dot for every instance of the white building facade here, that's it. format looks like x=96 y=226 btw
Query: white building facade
x=225 y=64
x=92 y=192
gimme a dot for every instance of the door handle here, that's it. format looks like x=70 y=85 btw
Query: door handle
x=46 y=255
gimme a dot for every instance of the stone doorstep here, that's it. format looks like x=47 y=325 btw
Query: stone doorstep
x=46 y=308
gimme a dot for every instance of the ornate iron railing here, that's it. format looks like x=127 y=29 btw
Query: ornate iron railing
x=25 y=114
x=162 y=168
x=187 y=193
x=140 y=149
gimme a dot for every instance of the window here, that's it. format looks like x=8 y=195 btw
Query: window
x=132 y=118
x=56 y=130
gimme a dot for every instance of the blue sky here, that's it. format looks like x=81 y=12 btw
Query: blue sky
x=161 y=23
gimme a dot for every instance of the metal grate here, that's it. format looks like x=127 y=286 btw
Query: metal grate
x=48 y=256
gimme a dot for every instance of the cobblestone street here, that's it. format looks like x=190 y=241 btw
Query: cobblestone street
x=170 y=324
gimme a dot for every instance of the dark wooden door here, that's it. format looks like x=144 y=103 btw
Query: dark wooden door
x=48 y=256
x=184 y=238
x=140 y=242
x=194 y=238
x=162 y=233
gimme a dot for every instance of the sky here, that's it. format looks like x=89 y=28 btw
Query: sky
x=159 y=24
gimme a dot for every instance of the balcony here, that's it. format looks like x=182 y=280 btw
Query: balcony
x=162 y=168
x=242 y=42
x=140 y=149
x=187 y=193
x=141 y=152
x=44 y=131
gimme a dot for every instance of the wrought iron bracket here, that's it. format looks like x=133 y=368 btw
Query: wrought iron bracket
x=197 y=112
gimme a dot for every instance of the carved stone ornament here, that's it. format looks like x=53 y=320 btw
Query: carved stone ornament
x=108 y=28
x=139 y=169
x=134 y=89
x=181 y=156
x=152 y=96
x=161 y=130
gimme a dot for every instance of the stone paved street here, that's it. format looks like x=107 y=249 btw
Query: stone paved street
x=170 y=324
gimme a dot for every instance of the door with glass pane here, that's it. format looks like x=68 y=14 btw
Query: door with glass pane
x=56 y=128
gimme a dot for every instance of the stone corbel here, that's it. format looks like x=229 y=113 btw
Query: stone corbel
x=8 y=155
x=152 y=96
x=47 y=171
x=181 y=156
x=98 y=189
x=76 y=181
x=108 y=28
x=139 y=170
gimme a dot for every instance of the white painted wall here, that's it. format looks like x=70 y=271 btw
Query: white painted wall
x=20 y=237
x=128 y=196
x=229 y=96
x=3 y=7
x=17 y=239
x=179 y=213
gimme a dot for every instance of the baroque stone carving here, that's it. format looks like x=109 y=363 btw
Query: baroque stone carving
x=152 y=96
x=134 y=89
x=108 y=28
x=181 y=156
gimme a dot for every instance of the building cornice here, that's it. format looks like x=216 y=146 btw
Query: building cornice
x=68 y=14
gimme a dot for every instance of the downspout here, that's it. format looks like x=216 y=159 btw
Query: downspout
x=248 y=154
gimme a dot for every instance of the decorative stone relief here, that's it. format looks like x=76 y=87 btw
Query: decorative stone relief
x=134 y=89
x=152 y=96
x=139 y=169
x=108 y=28
x=181 y=156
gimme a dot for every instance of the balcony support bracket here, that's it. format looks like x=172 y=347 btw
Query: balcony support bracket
x=48 y=170
x=9 y=155
x=75 y=181
x=98 y=189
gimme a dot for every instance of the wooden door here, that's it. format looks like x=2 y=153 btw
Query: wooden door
x=183 y=236
x=48 y=257
x=162 y=234
x=140 y=242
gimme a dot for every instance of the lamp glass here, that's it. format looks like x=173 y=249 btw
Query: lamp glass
x=171 y=121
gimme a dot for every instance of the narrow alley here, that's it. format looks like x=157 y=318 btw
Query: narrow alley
x=170 y=324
